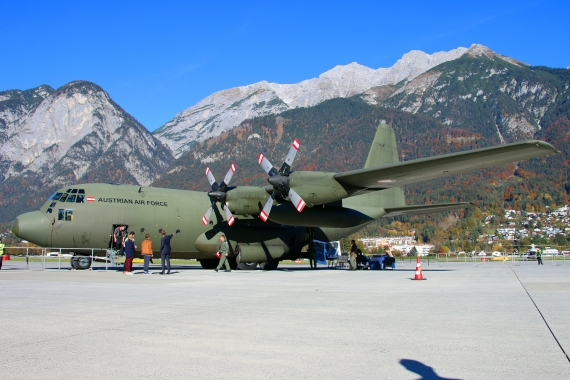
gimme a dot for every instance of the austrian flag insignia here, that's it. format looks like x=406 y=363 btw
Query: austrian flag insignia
x=90 y=198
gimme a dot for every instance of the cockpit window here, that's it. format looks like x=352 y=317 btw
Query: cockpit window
x=81 y=191
x=60 y=214
x=49 y=210
x=52 y=204
x=74 y=191
x=63 y=197
x=70 y=198
x=80 y=198
x=68 y=215
x=56 y=196
x=68 y=191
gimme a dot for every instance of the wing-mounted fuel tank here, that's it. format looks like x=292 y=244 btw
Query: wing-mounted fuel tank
x=283 y=241
x=260 y=252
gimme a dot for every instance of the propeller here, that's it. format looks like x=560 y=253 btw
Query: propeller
x=218 y=194
x=280 y=181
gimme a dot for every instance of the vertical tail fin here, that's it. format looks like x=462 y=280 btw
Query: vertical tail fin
x=383 y=151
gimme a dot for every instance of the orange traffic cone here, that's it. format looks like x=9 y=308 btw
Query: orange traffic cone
x=419 y=275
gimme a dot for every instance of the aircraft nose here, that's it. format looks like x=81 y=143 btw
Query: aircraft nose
x=33 y=227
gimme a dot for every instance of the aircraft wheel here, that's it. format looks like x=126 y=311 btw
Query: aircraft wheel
x=271 y=265
x=209 y=264
x=80 y=262
x=244 y=265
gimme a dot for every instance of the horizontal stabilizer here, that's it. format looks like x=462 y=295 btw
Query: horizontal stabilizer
x=424 y=169
x=426 y=209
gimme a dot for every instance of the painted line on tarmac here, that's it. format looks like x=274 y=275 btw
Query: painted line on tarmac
x=542 y=316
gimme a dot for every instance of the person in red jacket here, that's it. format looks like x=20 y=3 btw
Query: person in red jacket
x=129 y=253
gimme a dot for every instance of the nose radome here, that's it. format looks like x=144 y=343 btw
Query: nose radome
x=33 y=227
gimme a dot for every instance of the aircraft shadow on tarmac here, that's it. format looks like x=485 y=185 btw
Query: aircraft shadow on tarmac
x=426 y=372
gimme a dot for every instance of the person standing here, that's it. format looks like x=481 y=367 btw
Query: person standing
x=117 y=237
x=165 y=251
x=312 y=255
x=146 y=252
x=224 y=250
x=539 y=257
x=129 y=253
x=353 y=255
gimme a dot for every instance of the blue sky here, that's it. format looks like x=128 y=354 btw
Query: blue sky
x=157 y=58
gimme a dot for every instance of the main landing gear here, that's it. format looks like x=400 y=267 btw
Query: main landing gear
x=80 y=262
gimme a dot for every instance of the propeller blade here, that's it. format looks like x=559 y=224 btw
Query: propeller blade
x=230 y=174
x=229 y=216
x=210 y=176
x=298 y=202
x=290 y=157
x=266 y=165
x=206 y=218
x=267 y=208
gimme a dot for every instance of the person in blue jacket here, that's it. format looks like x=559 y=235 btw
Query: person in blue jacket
x=129 y=253
x=165 y=251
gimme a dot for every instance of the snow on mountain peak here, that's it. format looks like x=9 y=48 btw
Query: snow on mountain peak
x=226 y=109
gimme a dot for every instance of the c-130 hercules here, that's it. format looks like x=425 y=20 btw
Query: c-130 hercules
x=259 y=231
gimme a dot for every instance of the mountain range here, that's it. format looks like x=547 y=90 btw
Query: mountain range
x=461 y=99
x=50 y=138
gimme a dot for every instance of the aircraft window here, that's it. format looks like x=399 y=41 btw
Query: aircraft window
x=68 y=191
x=142 y=229
x=74 y=191
x=56 y=196
x=60 y=214
x=52 y=204
x=80 y=198
x=71 y=198
x=49 y=210
x=81 y=191
x=177 y=232
x=68 y=215
x=63 y=197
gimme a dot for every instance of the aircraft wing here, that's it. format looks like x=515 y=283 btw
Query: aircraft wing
x=426 y=209
x=423 y=169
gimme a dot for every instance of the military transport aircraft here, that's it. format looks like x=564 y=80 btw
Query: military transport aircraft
x=263 y=224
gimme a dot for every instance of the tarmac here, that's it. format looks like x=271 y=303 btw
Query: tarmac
x=466 y=321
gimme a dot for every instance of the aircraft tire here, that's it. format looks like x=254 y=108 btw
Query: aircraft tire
x=270 y=265
x=81 y=262
x=209 y=264
x=244 y=265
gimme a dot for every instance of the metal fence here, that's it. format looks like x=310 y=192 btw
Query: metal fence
x=476 y=260
x=37 y=258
